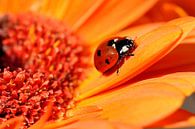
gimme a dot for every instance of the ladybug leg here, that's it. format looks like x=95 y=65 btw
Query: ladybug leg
x=118 y=63
x=130 y=54
x=117 y=71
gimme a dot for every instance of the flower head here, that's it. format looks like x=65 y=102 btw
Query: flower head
x=45 y=63
x=48 y=79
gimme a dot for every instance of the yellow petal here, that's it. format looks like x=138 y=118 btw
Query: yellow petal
x=138 y=105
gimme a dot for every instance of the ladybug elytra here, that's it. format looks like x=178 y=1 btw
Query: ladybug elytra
x=112 y=52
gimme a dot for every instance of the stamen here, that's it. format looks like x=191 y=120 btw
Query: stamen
x=42 y=61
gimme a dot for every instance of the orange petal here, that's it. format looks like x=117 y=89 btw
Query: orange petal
x=186 y=23
x=191 y=34
x=189 y=39
x=164 y=10
x=144 y=54
x=39 y=124
x=172 y=11
x=133 y=33
x=187 y=5
x=106 y=20
x=59 y=8
x=77 y=12
x=3 y=6
x=183 y=68
x=13 y=123
x=182 y=55
x=59 y=123
x=167 y=11
x=14 y=6
x=137 y=105
x=151 y=48
x=82 y=110
x=180 y=83
x=137 y=31
x=188 y=76
x=118 y=125
x=184 y=81
x=98 y=124
x=178 y=119
x=54 y=9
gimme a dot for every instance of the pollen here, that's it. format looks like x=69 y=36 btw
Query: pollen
x=41 y=61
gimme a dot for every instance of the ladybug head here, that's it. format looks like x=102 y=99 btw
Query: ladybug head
x=130 y=42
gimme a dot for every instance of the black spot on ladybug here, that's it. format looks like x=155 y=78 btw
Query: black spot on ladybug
x=98 y=52
x=107 y=61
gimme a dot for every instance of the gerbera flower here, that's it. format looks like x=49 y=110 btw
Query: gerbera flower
x=48 y=79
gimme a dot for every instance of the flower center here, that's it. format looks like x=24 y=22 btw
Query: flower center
x=41 y=61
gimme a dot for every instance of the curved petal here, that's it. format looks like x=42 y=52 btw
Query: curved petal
x=15 y=6
x=131 y=32
x=166 y=9
x=3 y=7
x=78 y=12
x=39 y=124
x=182 y=55
x=59 y=123
x=98 y=124
x=83 y=110
x=13 y=123
x=180 y=59
x=187 y=5
x=127 y=11
x=180 y=83
x=138 y=31
x=142 y=104
x=151 y=48
x=184 y=81
x=178 y=119
x=188 y=76
x=57 y=9
x=145 y=55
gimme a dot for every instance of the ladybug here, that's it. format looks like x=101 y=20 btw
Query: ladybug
x=111 y=53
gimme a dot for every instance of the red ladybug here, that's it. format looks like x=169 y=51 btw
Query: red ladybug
x=111 y=53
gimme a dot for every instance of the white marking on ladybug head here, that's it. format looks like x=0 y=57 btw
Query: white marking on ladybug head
x=114 y=45
x=116 y=39
x=124 y=49
x=128 y=38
